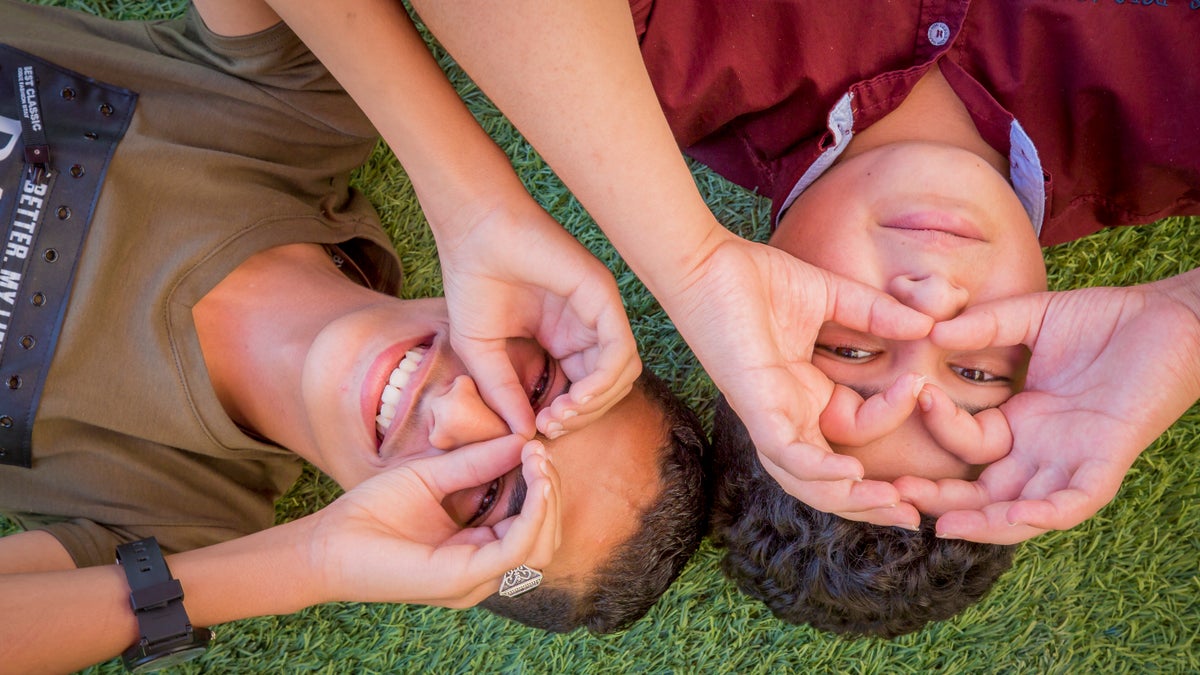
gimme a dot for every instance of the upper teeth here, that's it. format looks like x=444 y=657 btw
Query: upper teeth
x=392 y=390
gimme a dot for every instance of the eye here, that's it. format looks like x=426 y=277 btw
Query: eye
x=978 y=376
x=847 y=353
x=538 y=393
x=486 y=504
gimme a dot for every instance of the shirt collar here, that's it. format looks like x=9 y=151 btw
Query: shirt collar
x=1025 y=168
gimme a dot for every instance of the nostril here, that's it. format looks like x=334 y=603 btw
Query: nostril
x=460 y=417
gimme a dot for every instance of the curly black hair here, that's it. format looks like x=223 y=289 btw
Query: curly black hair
x=639 y=571
x=837 y=575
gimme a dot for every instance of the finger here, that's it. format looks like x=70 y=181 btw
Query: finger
x=835 y=496
x=849 y=420
x=998 y=323
x=472 y=597
x=1060 y=510
x=976 y=439
x=1048 y=478
x=471 y=536
x=536 y=468
x=550 y=535
x=943 y=496
x=592 y=393
x=901 y=515
x=1002 y=481
x=989 y=526
x=784 y=424
x=846 y=499
x=608 y=360
x=1092 y=486
x=520 y=536
x=861 y=307
x=563 y=416
x=497 y=382
x=469 y=466
x=787 y=432
x=803 y=462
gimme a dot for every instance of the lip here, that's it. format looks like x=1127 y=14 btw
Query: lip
x=377 y=378
x=932 y=224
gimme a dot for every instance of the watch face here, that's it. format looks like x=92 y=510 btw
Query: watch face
x=159 y=661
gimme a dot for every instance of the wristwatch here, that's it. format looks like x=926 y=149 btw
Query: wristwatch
x=167 y=635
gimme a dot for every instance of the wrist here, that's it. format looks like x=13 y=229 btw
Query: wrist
x=458 y=209
x=675 y=264
x=1184 y=289
x=261 y=574
x=166 y=634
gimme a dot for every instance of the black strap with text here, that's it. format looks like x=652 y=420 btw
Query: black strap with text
x=58 y=131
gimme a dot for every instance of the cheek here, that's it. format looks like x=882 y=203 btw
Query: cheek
x=830 y=230
x=901 y=454
x=842 y=249
x=1022 y=270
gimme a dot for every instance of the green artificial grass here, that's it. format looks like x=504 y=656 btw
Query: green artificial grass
x=1116 y=594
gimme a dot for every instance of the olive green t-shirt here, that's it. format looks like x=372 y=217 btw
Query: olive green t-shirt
x=235 y=145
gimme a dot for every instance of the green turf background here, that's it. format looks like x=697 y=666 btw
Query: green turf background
x=1117 y=594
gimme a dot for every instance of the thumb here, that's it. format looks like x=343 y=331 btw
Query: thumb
x=999 y=323
x=849 y=420
x=469 y=466
x=497 y=382
x=861 y=307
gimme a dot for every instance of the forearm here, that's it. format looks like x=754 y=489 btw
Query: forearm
x=375 y=52
x=63 y=621
x=570 y=76
x=265 y=573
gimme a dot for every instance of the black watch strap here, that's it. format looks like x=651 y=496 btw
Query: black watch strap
x=157 y=601
x=152 y=590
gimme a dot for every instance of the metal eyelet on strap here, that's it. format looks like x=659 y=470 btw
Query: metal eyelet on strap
x=68 y=139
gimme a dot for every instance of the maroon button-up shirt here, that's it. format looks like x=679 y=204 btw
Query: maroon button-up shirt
x=1107 y=90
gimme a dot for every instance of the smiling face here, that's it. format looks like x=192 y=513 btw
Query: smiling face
x=380 y=385
x=939 y=229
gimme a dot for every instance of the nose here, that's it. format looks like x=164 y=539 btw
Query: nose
x=460 y=417
x=932 y=295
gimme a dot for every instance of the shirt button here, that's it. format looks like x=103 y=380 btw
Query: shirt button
x=938 y=34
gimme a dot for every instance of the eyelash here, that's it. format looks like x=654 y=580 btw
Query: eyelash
x=542 y=385
x=486 y=504
x=838 y=351
x=988 y=378
x=847 y=353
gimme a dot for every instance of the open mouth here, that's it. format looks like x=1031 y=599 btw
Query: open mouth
x=394 y=391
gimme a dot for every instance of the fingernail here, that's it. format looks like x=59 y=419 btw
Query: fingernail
x=530 y=449
x=569 y=414
x=925 y=401
x=947 y=535
x=554 y=428
x=919 y=385
x=586 y=399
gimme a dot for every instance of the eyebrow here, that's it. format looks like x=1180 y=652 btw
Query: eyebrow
x=969 y=408
x=517 y=499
